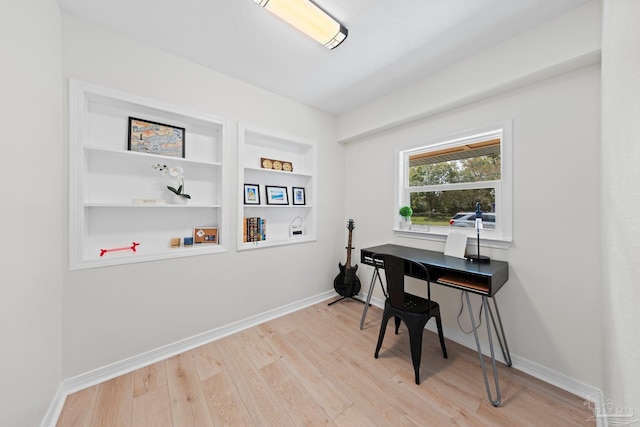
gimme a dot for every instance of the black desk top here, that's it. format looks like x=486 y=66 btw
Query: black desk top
x=490 y=277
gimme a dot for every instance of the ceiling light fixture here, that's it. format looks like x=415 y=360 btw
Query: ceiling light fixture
x=308 y=18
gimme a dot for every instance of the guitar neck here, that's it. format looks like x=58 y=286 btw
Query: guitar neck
x=348 y=264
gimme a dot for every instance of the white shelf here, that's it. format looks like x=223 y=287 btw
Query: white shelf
x=154 y=158
x=277 y=242
x=250 y=170
x=104 y=178
x=277 y=206
x=129 y=257
x=253 y=145
x=149 y=206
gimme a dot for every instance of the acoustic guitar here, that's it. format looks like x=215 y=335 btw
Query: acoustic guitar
x=346 y=283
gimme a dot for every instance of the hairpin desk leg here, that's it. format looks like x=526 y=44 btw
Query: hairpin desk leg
x=496 y=401
x=376 y=274
x=502 y=339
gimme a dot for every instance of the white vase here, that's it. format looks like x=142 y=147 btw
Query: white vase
x=405 y=224
x=179 y=200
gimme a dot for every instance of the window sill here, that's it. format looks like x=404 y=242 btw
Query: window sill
x=439 y=234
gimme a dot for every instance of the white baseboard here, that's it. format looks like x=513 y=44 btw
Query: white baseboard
x=105 y=373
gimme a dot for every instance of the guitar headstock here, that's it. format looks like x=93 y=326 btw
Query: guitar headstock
x=350 y=225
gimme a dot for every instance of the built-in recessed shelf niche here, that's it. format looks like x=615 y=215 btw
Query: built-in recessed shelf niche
x=255 y=145
x=107 y=181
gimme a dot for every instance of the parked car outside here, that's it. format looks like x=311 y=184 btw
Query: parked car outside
x=468 y=219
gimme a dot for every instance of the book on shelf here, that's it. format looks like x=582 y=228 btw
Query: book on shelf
x=254 y=229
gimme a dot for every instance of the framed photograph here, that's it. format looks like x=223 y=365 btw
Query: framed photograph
x=251 y=194
x=297 y=195
x=276 y=195
x=155 y=138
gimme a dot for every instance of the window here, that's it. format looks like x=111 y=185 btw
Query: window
x=444 y=180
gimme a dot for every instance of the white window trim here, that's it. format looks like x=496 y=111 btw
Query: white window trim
x=500 y=238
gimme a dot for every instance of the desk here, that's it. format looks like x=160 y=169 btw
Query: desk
x=481 y=279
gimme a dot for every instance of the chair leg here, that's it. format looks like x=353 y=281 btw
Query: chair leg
x=441 y=335
x=397 y=320
x=415 y=339
x=383 y=328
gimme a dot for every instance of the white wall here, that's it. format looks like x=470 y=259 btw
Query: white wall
x=552 y=300
x=551 y=304
x=621 y=201
x=32 y=214
x=118 y=312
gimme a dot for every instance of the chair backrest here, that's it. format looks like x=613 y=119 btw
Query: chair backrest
x=395 y=268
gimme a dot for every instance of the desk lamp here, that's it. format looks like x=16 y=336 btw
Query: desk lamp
x=480 y=259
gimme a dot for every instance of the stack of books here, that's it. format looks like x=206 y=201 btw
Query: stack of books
x=254 y=230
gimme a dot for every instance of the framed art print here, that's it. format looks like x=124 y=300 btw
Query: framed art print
x=251 y=194
x=155 y=138
x=276 y=195
x=297 y=195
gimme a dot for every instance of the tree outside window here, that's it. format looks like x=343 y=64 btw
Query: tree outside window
x=444 y=180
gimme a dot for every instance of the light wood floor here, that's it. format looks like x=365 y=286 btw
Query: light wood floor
x=316 y=367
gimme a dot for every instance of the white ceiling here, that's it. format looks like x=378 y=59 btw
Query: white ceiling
x=391 y=43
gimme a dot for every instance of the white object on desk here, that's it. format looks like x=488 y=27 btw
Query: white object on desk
x=456 y=244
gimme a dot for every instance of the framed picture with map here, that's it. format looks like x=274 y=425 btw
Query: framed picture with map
x=155 y=138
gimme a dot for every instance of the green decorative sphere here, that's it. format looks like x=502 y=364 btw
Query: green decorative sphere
x=406 y=211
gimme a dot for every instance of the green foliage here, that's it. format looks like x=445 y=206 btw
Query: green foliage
x=475 y=169
x=436 y=204
x=433 y=219
x=178 y=191
x=406 y=211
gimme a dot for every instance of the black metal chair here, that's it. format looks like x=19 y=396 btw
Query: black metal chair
x=413 y=310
